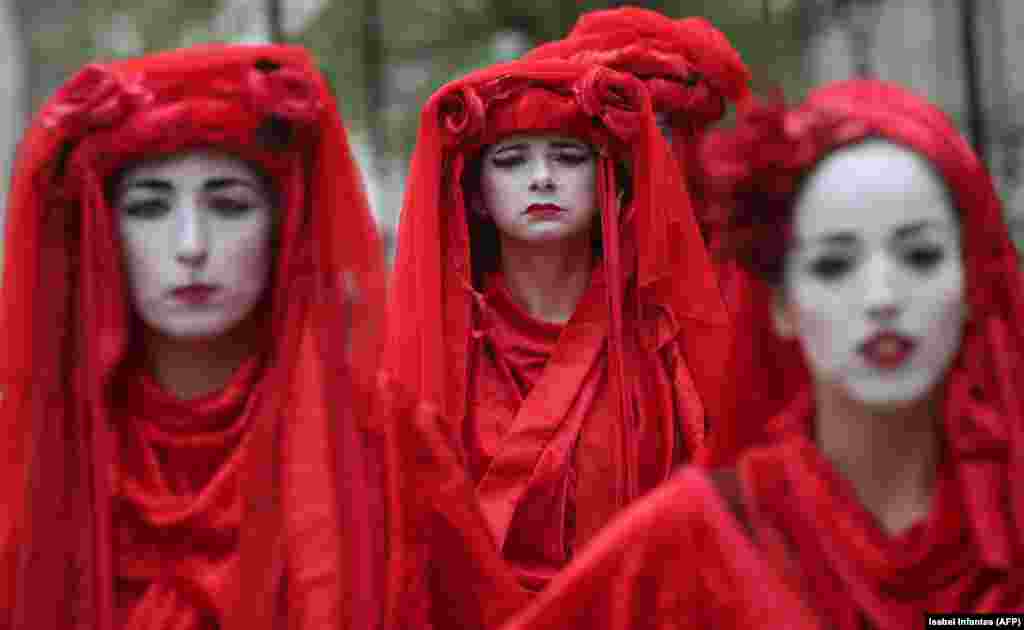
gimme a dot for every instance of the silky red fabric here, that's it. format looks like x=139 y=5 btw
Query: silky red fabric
x=123 y=507
x=966 y=554
x=675 y=558
x=689 y=67
x=586 y=437
x=511 y=392
x=692 y=72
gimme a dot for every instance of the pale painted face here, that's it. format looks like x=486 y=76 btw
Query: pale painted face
x=540 y=188
x=196 y=234
x=874 y=286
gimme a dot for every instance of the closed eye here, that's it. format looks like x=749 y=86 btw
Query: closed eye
x=153 y=208
x=508 y=160
x=830 y=267
x=572 y=158
x=925 y=257
x=229 y=207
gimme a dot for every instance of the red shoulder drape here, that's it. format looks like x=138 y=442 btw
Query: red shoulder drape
x=692 y=71
x=675 y=558
x=543 y=417
x=967 y=554
x=264 y=476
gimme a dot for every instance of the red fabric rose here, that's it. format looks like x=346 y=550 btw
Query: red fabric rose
x=613 y=97
x=285 y=93
x=94 y=98
x=462 y=114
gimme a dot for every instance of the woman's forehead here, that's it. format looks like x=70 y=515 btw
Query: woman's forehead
x=873 y=188
x=537 y=139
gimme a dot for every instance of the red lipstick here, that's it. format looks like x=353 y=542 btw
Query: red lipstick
x=194 y=294
x=887 y=350
x=544 y=209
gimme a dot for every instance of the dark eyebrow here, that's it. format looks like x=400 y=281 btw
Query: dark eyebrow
x=913 y=229
x=838 y=238
x=568 y=144
x=158 y=185
x=510 y=147
x=221 y=183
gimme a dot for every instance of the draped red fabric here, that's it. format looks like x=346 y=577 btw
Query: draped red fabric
x=675 y=558
x=966 y=555
x=689 y=67
x=692 y=72
x=125 y=508
x=553 y=452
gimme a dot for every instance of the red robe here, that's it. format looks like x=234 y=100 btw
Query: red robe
x=549 y=433
x=676 y=558
x=258 y=506
x=967 y=554
x=856 y=575
x=542 y=440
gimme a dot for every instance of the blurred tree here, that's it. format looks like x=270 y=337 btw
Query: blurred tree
x=64 y=34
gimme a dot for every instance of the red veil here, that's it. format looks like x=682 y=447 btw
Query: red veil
x=691 y=71
x=705 y=550
x=689 y=67
x=654 y=263
x=297 y=553
x=968 y=553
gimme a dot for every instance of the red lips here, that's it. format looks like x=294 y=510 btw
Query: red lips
x=887 y=350
x=194 y=294
x=544 y=209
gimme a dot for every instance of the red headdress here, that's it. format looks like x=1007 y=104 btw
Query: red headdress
x=756 y=170
x=689 y=67
x=69 y=332
x=654 y=259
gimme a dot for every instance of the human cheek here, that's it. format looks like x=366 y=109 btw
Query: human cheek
x=938 y=308
x=824 y=325
x=144 y=254
x=500 y=194
x=246 y=260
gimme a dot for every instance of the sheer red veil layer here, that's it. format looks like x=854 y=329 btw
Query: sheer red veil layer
x=654 y=259
x=968 y=553
x=788 y=545
x=688 y=66
x=692 y=72
x=69 y=333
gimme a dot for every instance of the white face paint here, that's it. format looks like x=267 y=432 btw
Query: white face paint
x=874 y=286
x=540 y=188
x=196 y=234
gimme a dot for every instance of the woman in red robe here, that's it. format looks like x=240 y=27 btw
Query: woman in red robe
x=192 y=284
x=890 y=486
x=691 y=71
x=546 y=258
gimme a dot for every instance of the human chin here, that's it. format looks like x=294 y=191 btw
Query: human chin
x=915 y=380
x=192 y=324
x=891 y=390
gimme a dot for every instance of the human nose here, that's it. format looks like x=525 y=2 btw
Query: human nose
x=882 y=297
x=541 y=177
x=192 y=241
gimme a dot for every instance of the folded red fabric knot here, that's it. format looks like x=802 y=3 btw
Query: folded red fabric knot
x=95 y=98
x=462 y=114
x=285 y=93
x=614 y=98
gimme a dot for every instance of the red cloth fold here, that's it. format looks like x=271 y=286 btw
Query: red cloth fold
x=966 y=555
x=688 y=66
x=567 y=450
x=677 y=557
x=289 y=463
